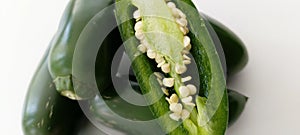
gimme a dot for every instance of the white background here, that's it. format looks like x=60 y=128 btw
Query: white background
x=269 y=28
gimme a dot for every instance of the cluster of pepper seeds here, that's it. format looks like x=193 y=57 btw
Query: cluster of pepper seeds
x=177 y=104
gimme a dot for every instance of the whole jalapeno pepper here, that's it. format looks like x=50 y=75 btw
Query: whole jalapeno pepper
x=75 y=18
x=236 y=54
x=46 y=112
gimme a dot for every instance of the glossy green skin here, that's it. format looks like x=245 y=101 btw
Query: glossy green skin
x=85 y=127
x=237 y=104
x=45 y=111
x=235 y=50
x=218 y=45
x=77 y=14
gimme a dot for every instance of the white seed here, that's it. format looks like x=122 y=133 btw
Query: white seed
x=175 y=13
x=189 y=47
x=183 y=30
x=190 y=104
x=158 y=75
x=151 y=54
x=139 y=35
x=179 y=69
x=142 y=48
x=166 y=68
x=175 y=116
x=184 y=91
x=159 y=81
x=161 y=64
x=138 y=26
x=159 y=59
x=171 y=5
x=187 y=99
x=186 y=62
x=185 y=114
x=186 y=41
x=185 y=52
x=186 y=57
x=176 y=107
x=165 y=91
x=168 y=82
x=185 y=79
x=136 y=15
x=144 y=42
x=169 y=101
x=181 y=14
x=187 y=29
x=192 y=89
x=182 y=22
x=174 y=98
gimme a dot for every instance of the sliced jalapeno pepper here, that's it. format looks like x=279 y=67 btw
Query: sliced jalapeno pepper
x=211 y=113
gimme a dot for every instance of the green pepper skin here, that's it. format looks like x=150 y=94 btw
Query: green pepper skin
x=237 y=104
x=235 y=50
x=46 y=112
x=85 y=127
x=77 y=14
